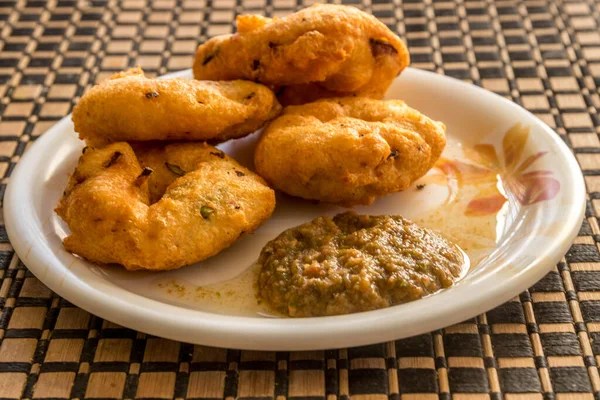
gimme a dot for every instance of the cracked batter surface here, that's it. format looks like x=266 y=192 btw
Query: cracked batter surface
x=348 y=150
x=199 y=202
x=320 y=51
x=131 y=107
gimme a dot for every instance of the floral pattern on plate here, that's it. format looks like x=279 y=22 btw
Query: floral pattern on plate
x=498 y=178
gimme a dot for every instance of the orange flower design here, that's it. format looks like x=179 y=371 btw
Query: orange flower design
x=495 y=179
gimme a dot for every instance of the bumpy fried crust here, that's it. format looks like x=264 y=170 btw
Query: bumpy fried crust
x=131 y=107
x=348 y=150
x=108 y=205
x=343 y=49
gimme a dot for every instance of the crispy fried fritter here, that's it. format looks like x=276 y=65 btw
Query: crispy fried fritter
x=307 y=93
x=202 y=207
x=343 y=49
x=348 y=150
x=131 y=107
x=167 y=161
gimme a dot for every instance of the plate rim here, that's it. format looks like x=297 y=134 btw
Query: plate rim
x=205 y=328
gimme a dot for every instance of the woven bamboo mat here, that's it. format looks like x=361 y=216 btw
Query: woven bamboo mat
x=544 y=344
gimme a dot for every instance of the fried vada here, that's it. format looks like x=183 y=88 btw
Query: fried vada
x=321 y=51
x=131 y=107
x=348 y=151
x=202 y=203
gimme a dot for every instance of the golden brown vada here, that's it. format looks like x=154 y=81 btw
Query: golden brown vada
x=339 y=49
x=131 y=107
x=207 y=200
x=348 y=150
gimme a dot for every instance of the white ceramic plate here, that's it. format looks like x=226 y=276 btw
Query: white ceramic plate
x=516 y=231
